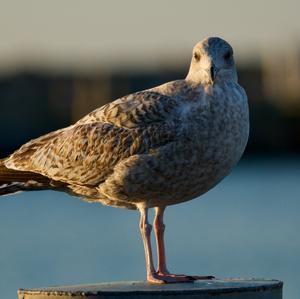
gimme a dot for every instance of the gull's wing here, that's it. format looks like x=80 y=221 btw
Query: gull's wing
x=87 y=152
x=135 y=110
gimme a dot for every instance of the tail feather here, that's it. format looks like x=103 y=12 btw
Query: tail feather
x=12 y=181
x=15 y=187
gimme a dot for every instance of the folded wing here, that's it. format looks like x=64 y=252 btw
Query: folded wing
x=87 y=152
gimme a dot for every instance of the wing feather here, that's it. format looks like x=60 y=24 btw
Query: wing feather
x=135 y=110
x=87 y=152
x=82 y=154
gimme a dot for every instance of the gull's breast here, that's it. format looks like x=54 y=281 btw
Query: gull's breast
x=211 y=144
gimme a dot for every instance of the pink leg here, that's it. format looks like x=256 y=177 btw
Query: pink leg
x=145 y=229
x=162 y=270
x=159 y=229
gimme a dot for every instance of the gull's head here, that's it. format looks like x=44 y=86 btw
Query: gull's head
x=212 y=62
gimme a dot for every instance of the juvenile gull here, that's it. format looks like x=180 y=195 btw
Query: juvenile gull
x=149 y=149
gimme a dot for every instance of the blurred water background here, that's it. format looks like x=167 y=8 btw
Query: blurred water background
x=248 y=226
x=60 y=61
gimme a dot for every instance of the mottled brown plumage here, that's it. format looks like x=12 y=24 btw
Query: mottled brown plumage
x=153 y=148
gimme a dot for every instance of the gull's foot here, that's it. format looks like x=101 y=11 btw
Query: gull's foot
x=155 y=279
x=202 y=277
x=191 y=277
x=161 y=278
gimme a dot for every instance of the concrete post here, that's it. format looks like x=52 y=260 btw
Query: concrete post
x=205 y=289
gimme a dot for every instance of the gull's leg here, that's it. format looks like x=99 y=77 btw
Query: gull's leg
x=162 y=270
x=159 y=229
x=146 y=228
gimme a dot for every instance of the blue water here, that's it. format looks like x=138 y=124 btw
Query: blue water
x=248 y=226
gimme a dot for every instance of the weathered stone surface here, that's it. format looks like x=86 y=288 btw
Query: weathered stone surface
x=206 y=289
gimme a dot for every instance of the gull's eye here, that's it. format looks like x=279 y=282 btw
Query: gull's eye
x=227 y=55
x=197 y=56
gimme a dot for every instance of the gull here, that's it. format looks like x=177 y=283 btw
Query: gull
x=150 y=149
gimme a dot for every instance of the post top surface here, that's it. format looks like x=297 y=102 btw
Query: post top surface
x=122 y=287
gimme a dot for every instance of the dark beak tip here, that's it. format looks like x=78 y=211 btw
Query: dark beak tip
x=212 y=73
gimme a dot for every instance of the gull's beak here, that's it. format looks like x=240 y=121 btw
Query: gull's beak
x=212 y=72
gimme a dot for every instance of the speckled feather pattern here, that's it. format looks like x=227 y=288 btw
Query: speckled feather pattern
x=156 y=147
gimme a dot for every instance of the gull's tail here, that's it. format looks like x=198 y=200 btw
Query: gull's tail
x=12 y=181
